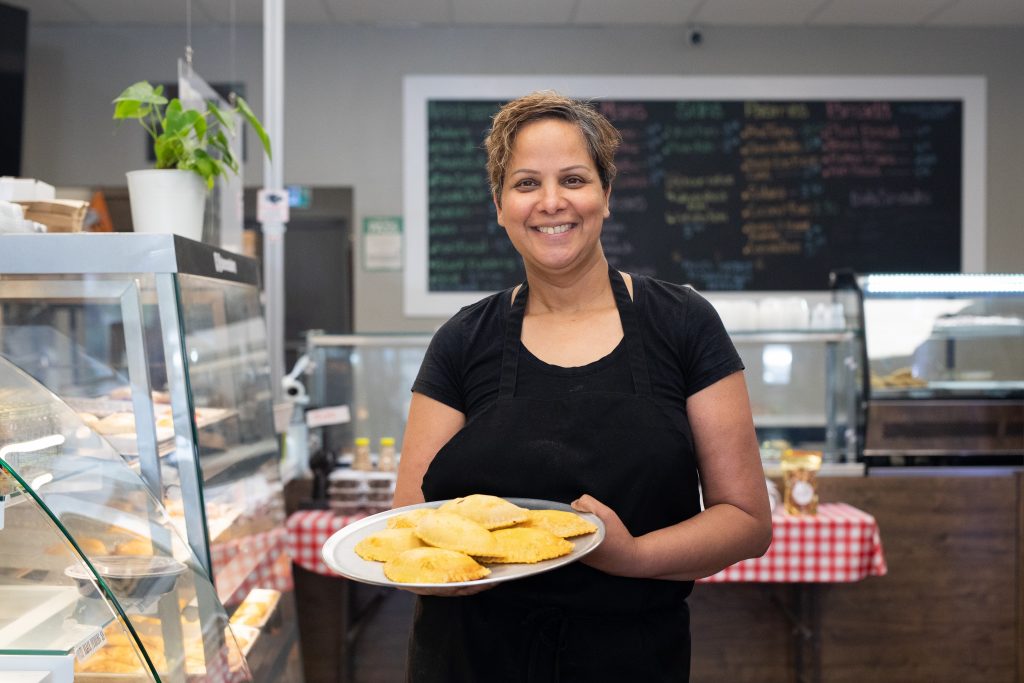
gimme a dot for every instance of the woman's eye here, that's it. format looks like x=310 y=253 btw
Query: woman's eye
x=573 y=181
x=526 y=183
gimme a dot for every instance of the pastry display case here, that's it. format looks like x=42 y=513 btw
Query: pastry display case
x=158 y=345
x=96 y=581
x=943 y=364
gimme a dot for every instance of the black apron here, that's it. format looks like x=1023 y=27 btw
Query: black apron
x=574 y=623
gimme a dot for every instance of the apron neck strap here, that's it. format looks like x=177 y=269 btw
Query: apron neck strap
x=510 y=351
x=631 y=334
x=630 y=331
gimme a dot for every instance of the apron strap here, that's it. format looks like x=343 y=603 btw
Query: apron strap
x=510 y=351
x=631 y=333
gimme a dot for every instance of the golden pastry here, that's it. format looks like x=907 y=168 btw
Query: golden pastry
x=433 y=565
x=455 y=532
x=136 y=546
x=491 y=512
x=385 y=544
x=559 y=522
x=115 y=423
x=250 y=613
x=408 y=520
x=525 y=545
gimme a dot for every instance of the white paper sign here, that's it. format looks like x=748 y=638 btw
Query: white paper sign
x=272 y=206
x=331 y=415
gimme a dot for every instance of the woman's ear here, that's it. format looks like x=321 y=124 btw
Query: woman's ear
x=497 y=206
x=607 y=201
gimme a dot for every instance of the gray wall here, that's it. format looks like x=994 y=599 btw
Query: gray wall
x=343 y=90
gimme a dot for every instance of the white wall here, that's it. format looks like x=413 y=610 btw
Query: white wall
x=343 y=87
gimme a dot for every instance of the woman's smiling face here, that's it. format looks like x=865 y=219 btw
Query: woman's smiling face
x=552 y=204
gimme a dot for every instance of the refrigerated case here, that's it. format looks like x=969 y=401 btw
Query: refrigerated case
x=814 y=405
x=158 y=344
x=369 y=377
x=944 y=364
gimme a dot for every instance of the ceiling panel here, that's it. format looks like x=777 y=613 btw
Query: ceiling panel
x=133 y=11
x=877 y=12
x=634 y=12
x=981 y=13
x=389 y=11
x=51 y=10
x=533 y=12
x=541 y=12
x=762 y=13
x=246 y=11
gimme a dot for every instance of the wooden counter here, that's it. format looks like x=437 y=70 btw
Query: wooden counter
x=950 y=609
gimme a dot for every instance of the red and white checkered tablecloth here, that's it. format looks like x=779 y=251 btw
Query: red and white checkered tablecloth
x=840 y=544
x=258 y=560
x=308 y=530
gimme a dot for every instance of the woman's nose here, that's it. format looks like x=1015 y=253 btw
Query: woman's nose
x=551 y=199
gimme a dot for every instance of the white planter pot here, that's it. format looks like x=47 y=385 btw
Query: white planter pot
x=167 y=201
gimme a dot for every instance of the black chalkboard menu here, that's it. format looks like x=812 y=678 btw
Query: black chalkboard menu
x=728 y=194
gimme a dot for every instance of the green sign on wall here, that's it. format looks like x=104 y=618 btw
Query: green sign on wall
x=382 y=243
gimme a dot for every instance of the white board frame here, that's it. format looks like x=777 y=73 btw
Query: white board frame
x=419 y=301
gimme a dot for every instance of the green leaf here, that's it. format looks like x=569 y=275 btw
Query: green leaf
x=208 y=167
x=142 y=92
x=130 y=109
x=223 y=118
x=243 y=107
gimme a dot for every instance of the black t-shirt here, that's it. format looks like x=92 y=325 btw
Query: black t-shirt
x=686 y=345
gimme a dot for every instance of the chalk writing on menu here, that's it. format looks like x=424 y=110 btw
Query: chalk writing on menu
x=728 y=195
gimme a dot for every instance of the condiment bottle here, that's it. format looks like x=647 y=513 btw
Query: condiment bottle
x=386 y=457
x=362 y=458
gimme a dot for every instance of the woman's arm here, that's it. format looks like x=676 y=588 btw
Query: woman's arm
x=736 y=522
x=430 y=426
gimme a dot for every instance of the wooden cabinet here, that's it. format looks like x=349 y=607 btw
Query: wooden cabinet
x=951 y=607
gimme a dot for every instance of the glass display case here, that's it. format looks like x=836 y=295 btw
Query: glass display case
x=95 y=578
x=803 y=383
x=158 y=345
x=944 y=364
x=803 y=387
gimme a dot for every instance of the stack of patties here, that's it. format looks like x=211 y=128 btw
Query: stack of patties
x=453 y=542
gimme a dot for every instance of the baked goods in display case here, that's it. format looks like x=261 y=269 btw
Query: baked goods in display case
x=257 y=608
x=112 y=417
x=120 y=661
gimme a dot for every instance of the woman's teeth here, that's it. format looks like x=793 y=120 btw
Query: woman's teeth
x=554 y=229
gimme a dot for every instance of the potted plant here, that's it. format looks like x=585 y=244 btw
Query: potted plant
x=192 y=148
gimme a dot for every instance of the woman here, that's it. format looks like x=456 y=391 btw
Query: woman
x=589 y=386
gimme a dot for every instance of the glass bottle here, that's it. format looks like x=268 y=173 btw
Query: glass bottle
x=386 y=457
x=362 y=458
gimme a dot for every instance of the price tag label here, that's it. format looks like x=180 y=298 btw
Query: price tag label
x=331 y=415
x=88 y=647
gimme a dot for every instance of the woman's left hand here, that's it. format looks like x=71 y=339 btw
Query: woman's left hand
x=618 y=554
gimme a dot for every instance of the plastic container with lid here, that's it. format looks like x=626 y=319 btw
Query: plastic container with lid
x=362 y=458
x=386 y=458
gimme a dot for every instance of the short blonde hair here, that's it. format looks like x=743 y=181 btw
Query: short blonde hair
x=600 y=135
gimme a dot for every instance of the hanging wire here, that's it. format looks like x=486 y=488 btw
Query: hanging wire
x=233 y=75
x=188 y=34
